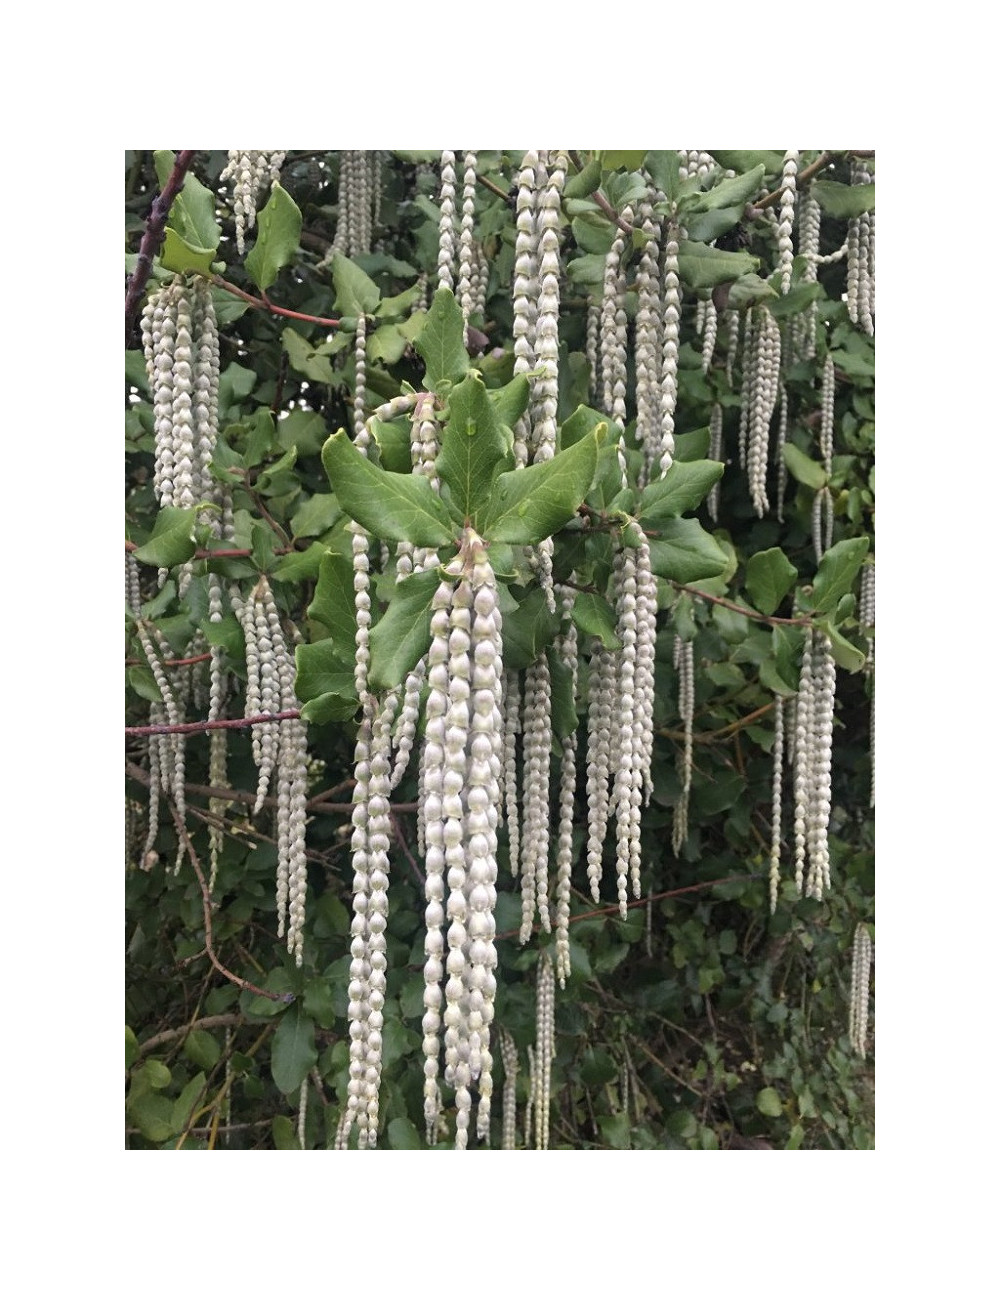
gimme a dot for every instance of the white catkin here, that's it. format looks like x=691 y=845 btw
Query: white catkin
x=446 y=226
x=301 y=1125
x=648 y=344
x=779 y=452
x=613 y=338
x=627 y=724
x=525 y=290
x=671 y=344
x=545 y=1049
x=861 y=965
x=360 y=378
x=566 y=648
x=714 y=453
x=511 y=730
x=249 y=169
x=465 y=243
x=358 y=989
x=684 y=663
x=766 y=362
x=786 y=218
x=601 y=703
x=431 y=795
x=537 y=742
x=825 y=679
x=776 y=760
x=508 y=1054
x=592 y=353
x=803 y=759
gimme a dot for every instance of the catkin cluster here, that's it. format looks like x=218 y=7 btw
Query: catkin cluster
x=813 y=749
x=861 y=258
x=279 y=751
x=359 y=196
x=461 y=765
x=249 y=170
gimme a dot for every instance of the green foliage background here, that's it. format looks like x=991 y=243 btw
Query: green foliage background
x=729 y=1023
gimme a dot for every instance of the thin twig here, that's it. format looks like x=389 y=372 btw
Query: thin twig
x=220 y=724
x=265 y=304
x=739 y=609
x=206 y=903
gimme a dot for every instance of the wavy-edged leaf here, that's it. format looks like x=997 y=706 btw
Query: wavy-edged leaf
x=440 y=342
x=684 y=486
x=293 y=1050
x=192 y=213
x=530 y=504
x=394 y=507
x=403 y=633
x=594 y=616
x=172 y=540
x=770 y=577
x=685 y=552
x=837 y=572
x=279 y=224
x=703 y=267
x=333 y=605
x=474 y=446
x=357 y=294
x=802 y=467
x=844 y=201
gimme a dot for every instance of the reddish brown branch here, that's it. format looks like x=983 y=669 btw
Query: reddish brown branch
x=609 y=211
x=265 y=304
x=738 y=609
x=152 y=238
x=220 y=724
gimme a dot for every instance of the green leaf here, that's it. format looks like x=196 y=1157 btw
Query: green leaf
x=279 y=224
x=616 y=159
x=394 y=507
x=527 y=631
x=684 y=486
x=530 y=504
x=664 y=166
x=402 y=1135
x=682 y=1124
x=202 y=1048
x=141 y=680
x=585 y=181
x=333 y=706
x=192 y=213
x=316 y=515
x=769 y=1103
x=593 y=615
x=333 y=605
x=837 y=572
x=131 y=1048
x=319 y=670
x=802 y=468
x=393 y=439
x=770 y=577
x=178 y=255
x=685 y=552
x=474 y=448
x=357 y=295
x=183 y=1108
x=844 y=201
x=733 y=192
x=403 y=633
x=743 y=160
x=703 y=227
x=305 y=430
x=748 y=290
x=615 y=1129
x=703 y=267
x=293 y=1051
x=284 y=1134
x=387 y=344
x=306 y=359
x=563 y=706
x=440 y=342
x=845 y=654
x=692 y=445
x=511 y=401
x=172 y=540
x=152 y=1115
